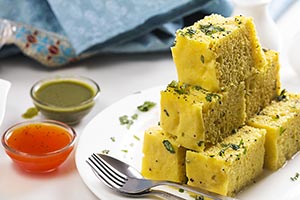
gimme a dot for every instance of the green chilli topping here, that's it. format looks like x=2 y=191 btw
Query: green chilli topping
x=169 y=146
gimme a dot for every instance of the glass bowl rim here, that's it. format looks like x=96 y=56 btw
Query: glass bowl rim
x=83 y=79
x=70 y=130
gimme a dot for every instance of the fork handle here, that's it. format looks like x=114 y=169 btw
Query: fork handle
x=165 y=195
x=195 y=190
x=155 y=192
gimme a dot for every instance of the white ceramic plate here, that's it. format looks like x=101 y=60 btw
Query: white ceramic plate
x=104 y=132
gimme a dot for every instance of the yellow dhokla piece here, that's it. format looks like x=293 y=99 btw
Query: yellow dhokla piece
x=281 y=119
x=216 y=52
x=163 y=159
x=195 y=116
x=229 y=166
x=263 y=86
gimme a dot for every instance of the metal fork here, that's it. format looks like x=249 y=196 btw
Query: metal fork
x=129 y=171
x=130 y=185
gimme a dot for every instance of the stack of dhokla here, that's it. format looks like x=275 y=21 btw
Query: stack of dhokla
x=225 y=118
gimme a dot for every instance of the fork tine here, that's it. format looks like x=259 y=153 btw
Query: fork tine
x=107 y=172
x=162 y=194
x=98 y=173
x=111 y=170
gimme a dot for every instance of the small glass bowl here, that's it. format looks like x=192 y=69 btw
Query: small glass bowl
x=43 y=145
x=70 y=114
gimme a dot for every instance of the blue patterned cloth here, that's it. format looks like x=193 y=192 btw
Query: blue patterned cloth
x=57 y=32
x=110 y=22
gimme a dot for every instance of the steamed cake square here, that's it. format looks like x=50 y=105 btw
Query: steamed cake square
x=216 y=52
x=163 y=159
x=281 y=119
x=263 y=86
x=195 y=116
x=230 y=165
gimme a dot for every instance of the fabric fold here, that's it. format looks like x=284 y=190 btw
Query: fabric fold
x=105 y=23
x=57 y=32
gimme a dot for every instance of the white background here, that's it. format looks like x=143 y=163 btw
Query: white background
x=118 y=76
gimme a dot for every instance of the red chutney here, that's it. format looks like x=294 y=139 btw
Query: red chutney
x=39 y=138
x=41 y=146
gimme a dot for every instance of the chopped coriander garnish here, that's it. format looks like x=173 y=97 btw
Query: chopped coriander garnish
x=128 y=121
x=245 y=150
x=136 y=137
x=190 y=31
x=196 y=87
x=295 y=177
x=173 y=84
x=210 y=29
x=169 y=146
x=209 y=96
x=113 y=139
x=281 y=130
x=180 y=89
x=222 y=152
x=30 y=113
x=146 y=106
x=125 y=120
x=202 y=58
x=129 y=124
x=233 y=147
x=166 y=112
x=124 y=150
x=282 y=96
x=134 y=116
x=181 y=190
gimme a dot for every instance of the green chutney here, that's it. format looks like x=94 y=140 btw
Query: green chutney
x=66 y=100
x=64 y=93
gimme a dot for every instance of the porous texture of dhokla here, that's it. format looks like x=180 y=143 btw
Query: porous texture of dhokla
x=229 y=166
x=163 y=159
x=216 y=52
x=263 y=86
x=195 y=116
x=281 y=119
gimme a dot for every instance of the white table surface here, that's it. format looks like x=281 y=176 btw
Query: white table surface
x=118 y=76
